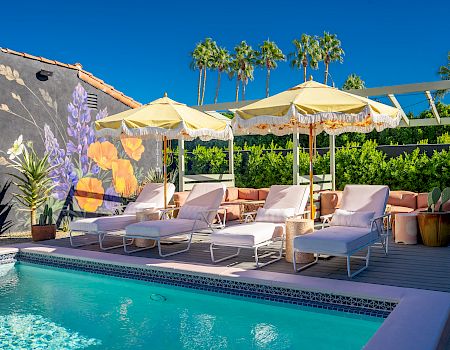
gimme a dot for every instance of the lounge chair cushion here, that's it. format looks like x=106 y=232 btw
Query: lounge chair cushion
x=365 y=198
x=247 y=234
x=335 y=239
x=154 y=193
x=103 y=223
x=274 y=215
x=351 y=218
x=133 y=207
x=287 y=196
x=162 y=228
x=192 y=212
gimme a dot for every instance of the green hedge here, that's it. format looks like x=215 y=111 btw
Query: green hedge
x=261 y=166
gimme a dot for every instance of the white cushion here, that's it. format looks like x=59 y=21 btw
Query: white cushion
x=134 y=207
x=192 y=212
x=335 y=239
x=162 y=228
x=103 y=223
x=154 y=193
x=274 y=215
x=287 y=196
x=343 y=217
x=247 y=234
x=365 y=198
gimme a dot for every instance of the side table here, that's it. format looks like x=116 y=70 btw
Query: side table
x=146 y=215
x=296 y=227
x=406 y=228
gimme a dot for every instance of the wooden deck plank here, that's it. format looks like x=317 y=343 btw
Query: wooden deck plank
x=409 y=266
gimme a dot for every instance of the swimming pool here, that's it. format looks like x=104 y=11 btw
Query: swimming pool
x=54 y=308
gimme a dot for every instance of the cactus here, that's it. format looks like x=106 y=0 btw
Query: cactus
x=445 y=196
x=433 y=198
x=46 y=218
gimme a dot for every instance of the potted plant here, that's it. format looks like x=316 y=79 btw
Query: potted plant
x=45 y=229
x=31 y=178
x=434 y=224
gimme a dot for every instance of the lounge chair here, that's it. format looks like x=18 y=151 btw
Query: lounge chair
x=359 y=222
x=197 y=213
x=151 y=197
x=281 y=203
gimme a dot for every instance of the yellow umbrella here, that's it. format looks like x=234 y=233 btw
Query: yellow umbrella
x=164 y=118
x=311 y=108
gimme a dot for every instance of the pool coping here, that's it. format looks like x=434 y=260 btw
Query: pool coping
x=420 y=319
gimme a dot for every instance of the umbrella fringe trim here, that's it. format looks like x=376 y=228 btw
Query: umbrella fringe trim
x=250 y=126
x=151 y=132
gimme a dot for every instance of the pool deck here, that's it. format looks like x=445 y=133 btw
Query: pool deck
x=416 y=277
x=410 y=266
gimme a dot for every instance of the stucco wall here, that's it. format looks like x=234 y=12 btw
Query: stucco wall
x=41 y=112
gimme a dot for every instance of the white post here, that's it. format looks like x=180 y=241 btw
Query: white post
x=181 y=164
x=333 y=161
x=296 y=159
x=231 y=157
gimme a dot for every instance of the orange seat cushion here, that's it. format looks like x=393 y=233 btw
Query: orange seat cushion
x=262 y=193
x=232 y=194
x=248 y=194
x=403 y=199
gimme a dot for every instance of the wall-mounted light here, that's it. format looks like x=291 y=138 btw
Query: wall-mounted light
x=43 y=75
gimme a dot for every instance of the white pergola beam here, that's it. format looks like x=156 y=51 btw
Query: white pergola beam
x=402 y=89
x=433 y=106
x=398 y=105
x=181 y=164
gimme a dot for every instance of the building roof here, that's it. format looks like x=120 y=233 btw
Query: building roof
x=83 y=75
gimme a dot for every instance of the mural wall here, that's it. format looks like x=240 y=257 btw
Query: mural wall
x=55 y=115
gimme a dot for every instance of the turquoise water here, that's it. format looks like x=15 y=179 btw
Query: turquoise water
x=48 y=308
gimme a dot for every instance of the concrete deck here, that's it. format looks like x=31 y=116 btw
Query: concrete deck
x=410 y=266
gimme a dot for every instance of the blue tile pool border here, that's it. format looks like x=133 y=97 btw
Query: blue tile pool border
x=328 y=301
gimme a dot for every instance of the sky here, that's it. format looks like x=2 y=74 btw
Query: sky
x=143 y=48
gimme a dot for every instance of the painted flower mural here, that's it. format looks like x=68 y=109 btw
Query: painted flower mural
x=125 y=183
x=89 y=194
x=103 y=153
x=133 y=147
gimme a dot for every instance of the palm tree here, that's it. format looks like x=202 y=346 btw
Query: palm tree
x=331 y=51
x=268 y=57
x=444 y=72
x=221 y=61
x=210 y=47
x=198 y=62
x=233 y=71
x=353 y=81
x=244 y=65
x=307 y=52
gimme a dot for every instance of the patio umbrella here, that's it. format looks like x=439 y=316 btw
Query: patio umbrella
x=167 y=119
x=311 y=108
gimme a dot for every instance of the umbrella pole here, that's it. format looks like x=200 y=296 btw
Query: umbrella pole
x=312 y=207
x=165 y=170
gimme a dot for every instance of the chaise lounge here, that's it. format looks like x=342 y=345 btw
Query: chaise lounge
x=281 y=203
x=198 y=213
x=358 y=224
x=151 y=197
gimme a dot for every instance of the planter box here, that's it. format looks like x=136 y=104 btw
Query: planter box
x=434 y=228
x=43 y=233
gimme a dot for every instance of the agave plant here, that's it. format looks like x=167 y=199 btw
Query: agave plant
x=5 y=208
x=32 y=178
x=434 y=196
x=157 y=176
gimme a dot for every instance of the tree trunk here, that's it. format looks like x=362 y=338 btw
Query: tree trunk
x=326 y=73
x=218 y=86
x=204 y=87
x=267 y=82
x=200 y=71
x=33 y=216
x=304 y=73
x=237 y=89
x=243 y=90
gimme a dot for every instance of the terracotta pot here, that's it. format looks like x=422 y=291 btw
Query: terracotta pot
x=43 y=233
x=434 y=228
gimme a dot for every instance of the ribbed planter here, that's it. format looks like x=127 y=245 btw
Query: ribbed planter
x=43 y=233
x=434 y=228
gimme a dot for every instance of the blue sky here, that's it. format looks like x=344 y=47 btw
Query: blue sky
x=142 y=47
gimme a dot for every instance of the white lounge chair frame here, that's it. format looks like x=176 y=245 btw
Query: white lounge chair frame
x=381 y=224
x=249 y=218
x=202 y=218
x=101 y=235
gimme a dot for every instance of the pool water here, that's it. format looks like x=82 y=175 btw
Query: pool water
x=49 y=308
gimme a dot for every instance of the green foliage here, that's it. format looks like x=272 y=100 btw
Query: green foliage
x=5 y=208
x=444 y=138
x=46 y=218
x=433 y=198
x=445 y=197
x=353 y=81
x=32 y=179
